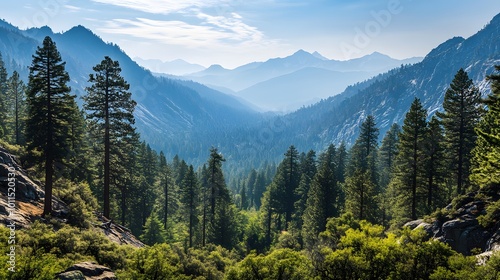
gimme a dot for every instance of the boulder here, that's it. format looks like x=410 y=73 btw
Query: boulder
x=90 y=270
x=71 y=275
x=460 y=228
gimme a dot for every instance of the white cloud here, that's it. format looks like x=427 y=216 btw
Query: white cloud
x=164 y=6
x=212 y=30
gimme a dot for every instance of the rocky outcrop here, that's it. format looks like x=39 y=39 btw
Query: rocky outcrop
x=29 y=197
x=87 y=270
x=460 y=227
x=117 y=233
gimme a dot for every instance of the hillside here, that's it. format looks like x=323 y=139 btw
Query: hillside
x=389 y=98
x=167 y=110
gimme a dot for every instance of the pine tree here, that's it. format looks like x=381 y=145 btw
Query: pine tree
x=363 y=152
x=409 y=172
x=361 y=196
x=286 y=182
x=167 y=183
x=461 y=114
x=216 y=182
x=221 y=216
x=322 y=198
x=50 y=112
x=16 y=113
x=110 y=110
x=250 y=188
x=435 y=166
x=308 y=170
x=189 y=198
x=243 y=197
x=387 y=152
x=258 y=189
x=361 y=184
x=486 y=154
x=341 y=162
x=153 y=233
x=3 y=98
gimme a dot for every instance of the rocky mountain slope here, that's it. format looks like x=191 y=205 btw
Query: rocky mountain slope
x=388 y=98
x=26 y=206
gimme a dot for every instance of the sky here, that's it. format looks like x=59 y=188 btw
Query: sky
x=235 y=32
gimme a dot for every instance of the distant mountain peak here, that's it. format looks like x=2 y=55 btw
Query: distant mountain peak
x=318 y=55
x=216 y=67
x=301 y=51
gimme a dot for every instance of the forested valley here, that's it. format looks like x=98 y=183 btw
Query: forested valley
x=340 y=213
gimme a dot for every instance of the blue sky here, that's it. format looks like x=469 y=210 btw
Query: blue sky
x=234 y=32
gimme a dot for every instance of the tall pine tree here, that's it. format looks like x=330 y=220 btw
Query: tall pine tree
x=361 y=186
x=436 y=170
x=322 y=199
x=387 y=152
x=486 y=154
x=110 y=110
x=50 y=112
x=408 y=180
x=461 y=114
x=190 y=197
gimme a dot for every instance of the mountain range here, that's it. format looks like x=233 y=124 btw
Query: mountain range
x=185 y=117
x=167 y=111
x=288 y=83
x=176 y=67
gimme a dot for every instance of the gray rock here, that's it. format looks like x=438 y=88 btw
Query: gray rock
x=93 y=271
x=71 y=275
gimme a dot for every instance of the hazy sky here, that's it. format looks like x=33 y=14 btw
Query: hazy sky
x=234 y=32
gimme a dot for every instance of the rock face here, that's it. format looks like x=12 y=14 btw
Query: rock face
x=461 y=229
x=28 y=197
x=87 y=270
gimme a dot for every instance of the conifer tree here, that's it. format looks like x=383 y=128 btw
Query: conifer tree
x=189 y=199
x=287 y=183
x=167 y=183
x=486 y=154
x=461 y=113
x=243 y=197
x=408 y=179
x=322 y=198
x=217 y=185
x=259 y=189
x=16 y=101
x=153 y=233
x=435 y=166
x=50 y=112
x=308 y=170
x=361 y=184
x=3 y=98
x=250 y=188
x=341 y=162
x=387 y=152
x=221 y=221
x=110 y=110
